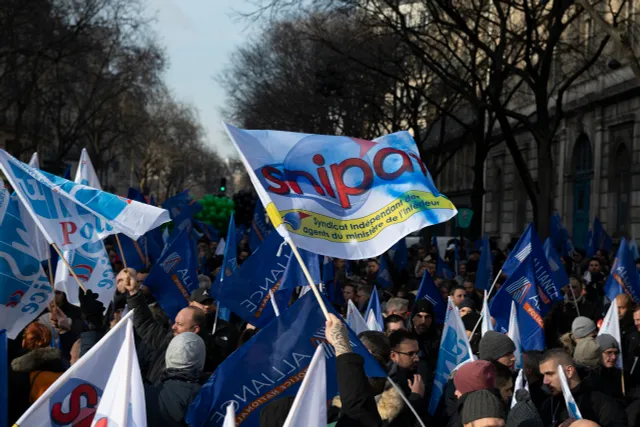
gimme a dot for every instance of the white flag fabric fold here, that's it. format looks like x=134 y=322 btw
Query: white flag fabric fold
x=372 y=323
x=74 y=397
x=122 y=404
x=35 y=161
x=514 y=334
x=572 y=407
x=486 y=316
x=229 y=417
x=70 y=214
x=521 y=383
x=611 y=326
x=39 y=244
x=310 y=405
x=354 y=318
x=222 y=245
x=90 y=262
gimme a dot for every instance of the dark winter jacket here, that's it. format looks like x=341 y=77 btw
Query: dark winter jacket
x=391 y=408
x=594 y=405
x=562 y=316
x=420 y=403
x=156 y=337
x=429 y=342
x=30 y=375
x=167 y=402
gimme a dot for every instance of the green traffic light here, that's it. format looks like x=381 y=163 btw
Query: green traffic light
x=222 y=188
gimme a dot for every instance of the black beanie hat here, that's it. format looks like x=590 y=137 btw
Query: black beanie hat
x=481 y=404
x=467 y=302
x=275 y=413
x=524 y=412
x=494 y=345
x=469 y=321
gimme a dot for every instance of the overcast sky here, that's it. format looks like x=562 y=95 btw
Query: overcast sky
x=199 y=36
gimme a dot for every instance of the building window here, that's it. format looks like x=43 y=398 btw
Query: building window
x=621 y=189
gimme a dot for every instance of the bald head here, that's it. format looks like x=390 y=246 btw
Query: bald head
x=584 y=423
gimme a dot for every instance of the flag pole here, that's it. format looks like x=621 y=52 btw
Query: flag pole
x=53 y=285
x=314 y=288
x=575 y=302
x=124 y=260
x=272 y=298
x=73 y=273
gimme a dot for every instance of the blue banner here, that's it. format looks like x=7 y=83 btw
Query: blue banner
x=384 y=275
x=141 y=253
x=260 y=229
x=500 y=307
x=176 y=203
x=624 y=276
x=484 y=275
x=598 y=239
x=429 y=292
x=560 y=236
x=271 y=365
x=174 y=276
x=294 y=276
x=263 y=271
x=521 y=286
x=555 y=262
x=374 y=306
x=401 y=255
x=529 y=246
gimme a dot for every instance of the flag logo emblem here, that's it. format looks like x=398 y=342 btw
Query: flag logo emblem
x=519 y=289
x=170 y=262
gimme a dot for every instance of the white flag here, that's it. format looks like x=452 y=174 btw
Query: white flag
x=354 y=319
x=486 y=316
x=611 y=326
x=521 y=383
x=74 y=397
x=39 y=244
x=90 y=262
x=230 y=417
x=221 y=247
x=122 y=404
x=514 y=334
x=372 y=323
x=35 y=161
x=70 y=214
x=572 y=407
x=310 y=405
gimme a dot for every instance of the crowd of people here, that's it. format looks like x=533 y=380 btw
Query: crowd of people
x=177 y=356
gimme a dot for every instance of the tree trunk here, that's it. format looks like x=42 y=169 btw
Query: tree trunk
x=546 y=173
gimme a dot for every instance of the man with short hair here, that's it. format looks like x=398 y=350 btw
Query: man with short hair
x=393 y=323
x=362 y=297
x=349 y=291
x=606 y=376
x=457 y=294
x=404 y=370
x=594 y=405
x=397 y=306
x=470 y=288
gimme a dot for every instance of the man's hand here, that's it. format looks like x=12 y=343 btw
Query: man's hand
x=127 y=281
x=337 y=335
x=58 y=319
x=417 y=385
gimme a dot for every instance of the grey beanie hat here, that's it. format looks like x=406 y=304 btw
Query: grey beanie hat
x=186 y=351
x=494 y=345
x=481 y=404
x=606 y=341
x=582 y=326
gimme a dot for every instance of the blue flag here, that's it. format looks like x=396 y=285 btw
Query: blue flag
x=374 y=306
x=429 y=292
x=624 y=276
x=499 y=308
x=454 y=349
x=328 y=270
x=484 y=275
x=401 y=255
x=208 y=231
x=521 y=286
x=229 y=265
x=4 y=378
x=135 y=194
x=634 y=249
x=384 y=275
x=294 y=276
x=529 y=245
x=271 y=365
x=67 y=173
x=560 y=236
x=174 y=276
x=141 y=253
x=260 y=229
x=598 y=239
x=176 y=203
x=556 y=264
x=263 y=271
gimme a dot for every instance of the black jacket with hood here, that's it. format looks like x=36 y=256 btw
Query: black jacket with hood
x=429 y=341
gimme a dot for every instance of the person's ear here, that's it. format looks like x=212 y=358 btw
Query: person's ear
x=394 y=357
x=570 y=371
x=196 y=329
